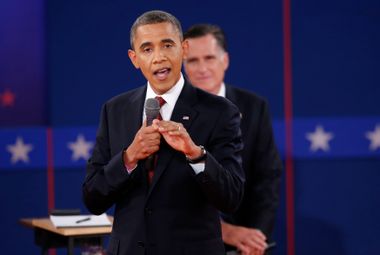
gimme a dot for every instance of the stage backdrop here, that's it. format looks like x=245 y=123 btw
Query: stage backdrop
x=60 y=60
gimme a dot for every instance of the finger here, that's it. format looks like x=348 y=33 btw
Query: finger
x=260 y=234
x=156 y=122
x=172 y=128
x=245 y=250
x=152 y=136
x=150 y=130
x=176 y=130
x=147 y=151
x=255 y=244
x=165 y=125
x=257 y=252
x=260 y=244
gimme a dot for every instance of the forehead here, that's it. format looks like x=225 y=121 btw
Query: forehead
x=204 y=44
x=156 y=32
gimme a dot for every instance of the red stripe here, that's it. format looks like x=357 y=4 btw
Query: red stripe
x=288 y=106
x=50 y=173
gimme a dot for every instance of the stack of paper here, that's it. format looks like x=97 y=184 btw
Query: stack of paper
x=80 y=221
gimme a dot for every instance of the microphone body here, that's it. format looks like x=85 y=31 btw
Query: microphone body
x=152 y=109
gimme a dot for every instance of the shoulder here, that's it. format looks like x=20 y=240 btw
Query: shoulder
x=126 y=98
x=244 y=98
x=211 y=101
x=245 y=94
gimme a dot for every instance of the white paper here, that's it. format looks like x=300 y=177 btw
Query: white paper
x=80 y=220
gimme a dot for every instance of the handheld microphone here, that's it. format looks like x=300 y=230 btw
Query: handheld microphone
x=152 y=109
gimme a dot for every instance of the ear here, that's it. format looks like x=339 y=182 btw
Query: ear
x=185 y=47
x=226 y=60
x=132 y=56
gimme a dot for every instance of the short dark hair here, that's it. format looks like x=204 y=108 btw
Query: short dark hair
x=200 y=30
x=155 y=17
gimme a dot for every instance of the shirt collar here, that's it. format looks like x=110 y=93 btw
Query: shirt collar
x=171 y=95
x=222 y=90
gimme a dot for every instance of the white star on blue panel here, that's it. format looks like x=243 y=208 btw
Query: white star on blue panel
x=80 y=148
x=374 y=137
x=319 y=139
x=20 y=151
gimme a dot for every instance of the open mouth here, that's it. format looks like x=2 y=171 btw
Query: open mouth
x=162 y=74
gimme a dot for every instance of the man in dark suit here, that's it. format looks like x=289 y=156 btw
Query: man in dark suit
x=248 y=229
x=196 y=150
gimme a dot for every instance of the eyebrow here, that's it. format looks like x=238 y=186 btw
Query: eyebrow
x=167 y=41
x=145 y=44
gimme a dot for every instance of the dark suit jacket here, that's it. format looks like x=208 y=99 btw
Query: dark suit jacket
x=179 y=212
x=261 y=163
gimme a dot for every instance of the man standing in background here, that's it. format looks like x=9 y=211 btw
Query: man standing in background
x=249 y=229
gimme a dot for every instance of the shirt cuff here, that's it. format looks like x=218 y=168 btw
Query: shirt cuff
x=198 y=167
x=129 y=170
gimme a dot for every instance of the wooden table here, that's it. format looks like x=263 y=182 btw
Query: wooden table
x=46 y=235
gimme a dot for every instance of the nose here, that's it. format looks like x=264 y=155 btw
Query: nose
x=202 y=66
x=158 y=56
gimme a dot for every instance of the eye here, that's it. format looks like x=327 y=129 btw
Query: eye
x=210 y=58
x=168 y=45
x=147 y=50
x=191 y=60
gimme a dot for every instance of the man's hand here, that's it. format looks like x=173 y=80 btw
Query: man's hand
x=145 y=143
x=248 y=241
x=177 y=137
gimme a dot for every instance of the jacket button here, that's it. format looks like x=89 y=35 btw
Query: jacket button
x=141 y=244
x=148 y=211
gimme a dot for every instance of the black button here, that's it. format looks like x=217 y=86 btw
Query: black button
x=148 y=210
x=141 y=244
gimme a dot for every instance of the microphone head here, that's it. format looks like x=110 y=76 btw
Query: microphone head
x=152 y=109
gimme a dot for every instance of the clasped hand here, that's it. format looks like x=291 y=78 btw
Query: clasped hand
x=147 y=141
x=248 y=241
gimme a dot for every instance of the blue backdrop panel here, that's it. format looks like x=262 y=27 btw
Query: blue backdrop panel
x=22 y=62
x=73 y=146
x=279 y=234
x=88 y=60
x=337 y=206
x=349 y=138
x=68 y=190
x=23 y=195
x=336 y=57
x=22 y=148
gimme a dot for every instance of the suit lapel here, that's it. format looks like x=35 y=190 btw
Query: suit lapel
x=135 y=110
x=230 y=94
x=184 y=113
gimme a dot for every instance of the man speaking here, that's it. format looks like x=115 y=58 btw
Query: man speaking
x=168 y=180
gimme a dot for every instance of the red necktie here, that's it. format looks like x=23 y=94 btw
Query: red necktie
x=159 y=117
x=161 y=101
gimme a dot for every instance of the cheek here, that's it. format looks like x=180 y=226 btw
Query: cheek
x=192 y=70
x=144 y=62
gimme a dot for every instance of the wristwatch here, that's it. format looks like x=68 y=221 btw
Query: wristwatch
x=199 y=159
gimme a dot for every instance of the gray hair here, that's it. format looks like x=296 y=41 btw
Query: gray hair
x=154 y=17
